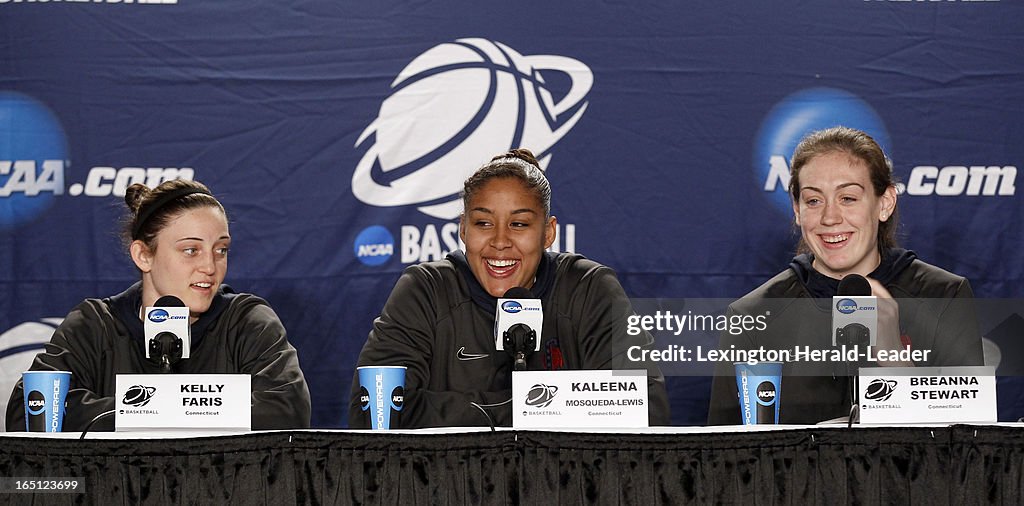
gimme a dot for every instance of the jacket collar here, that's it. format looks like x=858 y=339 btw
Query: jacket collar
x=541 y=286
x=126 y=305
x=894 y=262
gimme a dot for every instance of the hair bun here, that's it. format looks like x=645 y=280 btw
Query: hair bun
x=134 y=195
x=520 y=153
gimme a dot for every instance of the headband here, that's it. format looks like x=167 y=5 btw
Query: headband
x=160 y=202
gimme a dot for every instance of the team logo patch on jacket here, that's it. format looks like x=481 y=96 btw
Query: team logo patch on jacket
x=553 y=359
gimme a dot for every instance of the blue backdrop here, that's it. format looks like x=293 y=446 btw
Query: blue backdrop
x=337 y=135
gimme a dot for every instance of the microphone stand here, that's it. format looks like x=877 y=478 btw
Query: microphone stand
x=167 y=347
x=520 y=340
x=854 y=335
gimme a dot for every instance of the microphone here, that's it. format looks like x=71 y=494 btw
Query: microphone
x=854 y=323
x=517 y=325
x=167 y=332
x=854 y=313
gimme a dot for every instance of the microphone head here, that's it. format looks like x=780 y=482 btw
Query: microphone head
x=169 y=301
x=518 y=292
x=854 y=285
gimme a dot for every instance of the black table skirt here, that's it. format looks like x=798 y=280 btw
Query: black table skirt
x=891 y=465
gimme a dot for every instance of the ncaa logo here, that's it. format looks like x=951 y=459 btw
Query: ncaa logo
x=511 y=306
x=798 y=115
x=846 y=306
x=451 y=109
x=33 y=150
x=36 y=402
x=374 y=245
x=158 y=315
x=766 y=393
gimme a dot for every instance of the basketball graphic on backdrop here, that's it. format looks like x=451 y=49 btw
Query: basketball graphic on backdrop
x=18 y=348
x=454 y=107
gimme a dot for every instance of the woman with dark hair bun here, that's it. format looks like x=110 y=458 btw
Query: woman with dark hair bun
x=844 y=202
x=177 y=237
x=439 y=319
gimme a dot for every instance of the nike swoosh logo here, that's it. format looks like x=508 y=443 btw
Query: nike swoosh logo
x=462 y=355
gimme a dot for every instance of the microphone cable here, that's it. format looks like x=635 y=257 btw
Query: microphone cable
x=853 y=395
x=93 y=422
x=490 y=421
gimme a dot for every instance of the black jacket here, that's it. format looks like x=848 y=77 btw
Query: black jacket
x=936 y=313
x=438 y=318
x=240 y=333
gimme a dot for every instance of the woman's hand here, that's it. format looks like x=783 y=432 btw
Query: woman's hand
x=888 y=324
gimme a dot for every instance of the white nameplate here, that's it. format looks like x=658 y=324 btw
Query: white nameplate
x=927 y=394
x=579 y=399
x=183 y=402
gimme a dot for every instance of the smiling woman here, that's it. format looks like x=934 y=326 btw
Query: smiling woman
x=507 y=223
x=177 y=236
x=439 y=320
x=844 y=202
